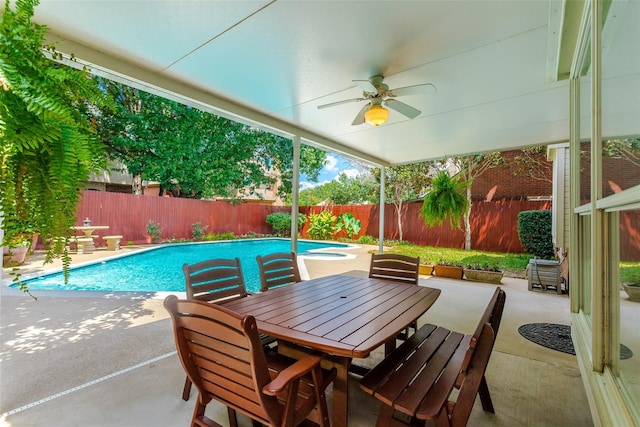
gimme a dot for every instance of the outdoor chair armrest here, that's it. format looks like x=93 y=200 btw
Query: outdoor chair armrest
x=293 y=372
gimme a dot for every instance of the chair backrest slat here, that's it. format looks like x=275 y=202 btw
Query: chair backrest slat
x=278 y=269
x=396 y=267
x=214 y=280
x=222 y=355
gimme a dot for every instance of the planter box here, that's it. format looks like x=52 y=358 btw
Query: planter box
x=14 y=256
x=483 y=276
x=448 y=271
x=632 y=291
x=425 y=269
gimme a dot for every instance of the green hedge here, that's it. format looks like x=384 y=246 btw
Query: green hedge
x=534 y=232
x=281 y=222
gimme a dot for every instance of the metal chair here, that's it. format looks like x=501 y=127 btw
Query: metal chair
x=216 y=281
x=401 y=268
x=223 y=357
x=278 y=269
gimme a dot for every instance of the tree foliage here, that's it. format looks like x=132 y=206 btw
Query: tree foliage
x=405 y=182
x=49 y=146
x=342 y=191
x=532 y=163
x=627 y=148
x=193 y=153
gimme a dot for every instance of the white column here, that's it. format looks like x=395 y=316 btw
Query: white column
x=381 y=226
x=295 y=184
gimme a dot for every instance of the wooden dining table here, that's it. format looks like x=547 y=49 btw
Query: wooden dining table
x=343 y=316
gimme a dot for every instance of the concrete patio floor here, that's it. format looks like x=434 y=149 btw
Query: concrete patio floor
x=96 y=359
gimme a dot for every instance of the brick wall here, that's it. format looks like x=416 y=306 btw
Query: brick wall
x=502 y=182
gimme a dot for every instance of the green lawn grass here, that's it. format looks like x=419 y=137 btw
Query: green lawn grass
x=513 y=265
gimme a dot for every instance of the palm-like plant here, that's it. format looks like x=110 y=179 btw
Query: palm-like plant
x=445 y=201
x=48 y=142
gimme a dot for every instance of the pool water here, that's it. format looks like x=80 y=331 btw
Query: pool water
x=160 y=269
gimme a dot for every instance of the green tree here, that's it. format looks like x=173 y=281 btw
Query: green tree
x=470 y=167
x=342 y=191
x=49 y=146
x=405 y=182
x=275 y=153
x=193 y=153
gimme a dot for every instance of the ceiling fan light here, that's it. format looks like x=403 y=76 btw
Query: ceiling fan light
x=376 y=115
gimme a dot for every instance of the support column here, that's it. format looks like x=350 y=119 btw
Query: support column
x=382 y=200
x=295 y=188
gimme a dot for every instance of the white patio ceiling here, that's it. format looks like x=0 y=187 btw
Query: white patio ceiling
x=273 y=62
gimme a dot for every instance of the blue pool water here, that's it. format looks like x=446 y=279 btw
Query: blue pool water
x=160 y=269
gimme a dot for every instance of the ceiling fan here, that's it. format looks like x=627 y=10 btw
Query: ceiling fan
x=378 y=96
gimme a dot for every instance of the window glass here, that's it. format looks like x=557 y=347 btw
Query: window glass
x=585 y=138
x=585 y=256
x=629 y=275
x=621 y=98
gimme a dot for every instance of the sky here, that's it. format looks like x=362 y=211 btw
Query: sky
x=334 y=166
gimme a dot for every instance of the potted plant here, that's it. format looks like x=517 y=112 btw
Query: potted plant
x=153 y=232
x=483 y=272
x=450 y=269
x=16 y=250
x=631 y=285
x=425 y=269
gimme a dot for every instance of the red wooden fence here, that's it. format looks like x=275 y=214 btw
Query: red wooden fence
x=493 y=224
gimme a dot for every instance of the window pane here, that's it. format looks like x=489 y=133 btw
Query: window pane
x=621 y=98
x=629 y=244
x=585 y=248
x=585 y=138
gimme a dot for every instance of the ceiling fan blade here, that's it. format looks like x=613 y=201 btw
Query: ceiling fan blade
x=366 y=86
x=345 y=101
x=413 y=90
x=403 y=108
x=359 y=120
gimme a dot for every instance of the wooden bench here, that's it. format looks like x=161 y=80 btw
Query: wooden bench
x=416 y=381
x=113 y=242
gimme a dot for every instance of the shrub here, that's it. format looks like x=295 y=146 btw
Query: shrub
x=154 y=231
x=220 y=236
x=368 y=240
x=198 y=231
x=322 y=225
x=349 y=224
x=281 y=222
x=534 y=232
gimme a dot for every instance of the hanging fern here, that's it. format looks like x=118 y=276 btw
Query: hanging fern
x=445 y=202
x=48 y=146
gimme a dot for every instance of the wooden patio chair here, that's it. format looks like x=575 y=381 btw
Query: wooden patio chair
x=223 y=357
x=216 y=281
x=401 y=268
x=278 y=269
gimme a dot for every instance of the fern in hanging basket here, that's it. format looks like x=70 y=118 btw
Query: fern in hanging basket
x=445 y=202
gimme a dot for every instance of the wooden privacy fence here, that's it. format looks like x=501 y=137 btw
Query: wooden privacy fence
x=493 y=224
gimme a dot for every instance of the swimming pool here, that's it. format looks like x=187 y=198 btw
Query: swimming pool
x=160 y=269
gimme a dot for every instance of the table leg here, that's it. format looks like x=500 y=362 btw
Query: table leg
x=340 y=404
x=341 y=391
